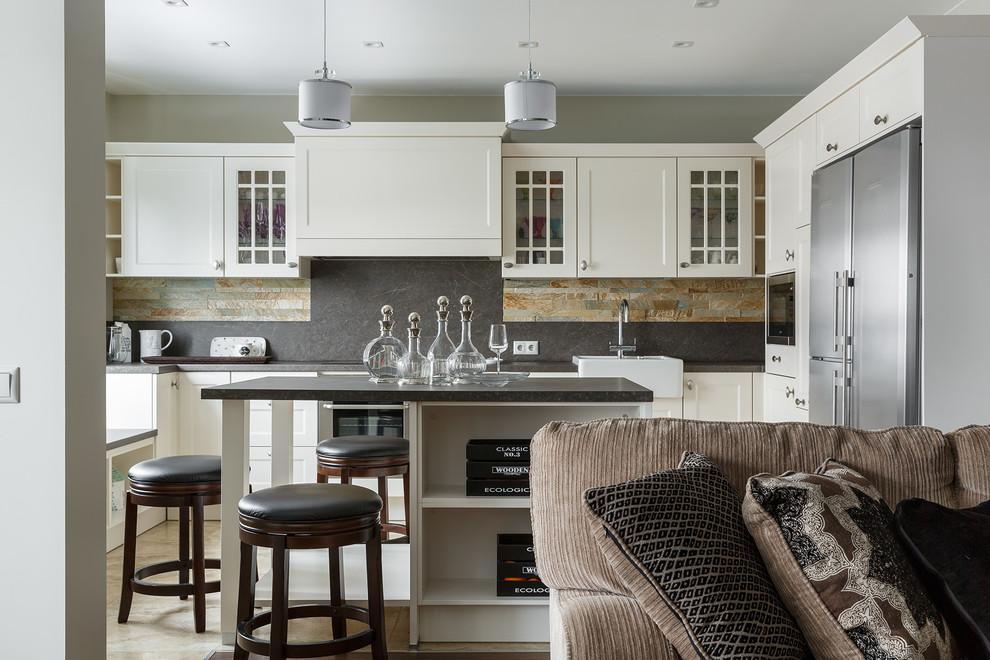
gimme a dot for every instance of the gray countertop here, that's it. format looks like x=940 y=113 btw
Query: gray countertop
x=343 y=389
x=357 y=367
x=122 y=437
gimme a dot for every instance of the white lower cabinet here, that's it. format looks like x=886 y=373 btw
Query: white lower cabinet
x=723 y=397
x=199 y=419
x=668 y=407
x=303 y=466
x=778 y=400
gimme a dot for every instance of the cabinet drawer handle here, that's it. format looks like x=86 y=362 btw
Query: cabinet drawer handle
x=788 y=255
x=584 y=265
x=775 y=358
x=292 y=264
x=690 y=384
x=507 y=264
x=684 y=264
x=217 y=265
x=799 y=402
x=879 y=120
x=788 y=392
x=832 y=147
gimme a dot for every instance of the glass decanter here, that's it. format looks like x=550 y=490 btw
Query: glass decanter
x=466 y=360
x=414 y=367
x=441 y=348
x=382 y=355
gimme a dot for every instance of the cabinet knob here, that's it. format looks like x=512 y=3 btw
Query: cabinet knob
x=217 y=265
x=788 y=255
x=832 y=146
x=293 y=264
x=584 y=265
x=507 y=264
x=684 y=264
x=879 y=120
x=690 y=384
x=775 y=358
x=799 y=402
x=788 y=392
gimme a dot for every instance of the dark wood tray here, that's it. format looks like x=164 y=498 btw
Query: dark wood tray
x=206 y=359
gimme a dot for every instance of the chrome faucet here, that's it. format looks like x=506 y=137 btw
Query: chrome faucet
x=621 y=347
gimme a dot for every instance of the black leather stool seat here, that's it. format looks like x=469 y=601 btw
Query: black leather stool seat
x=363 y=446
x=193 y=469
x=309 y=503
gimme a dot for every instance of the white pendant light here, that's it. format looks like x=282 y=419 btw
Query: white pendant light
x=530 y=102
x=324 y=102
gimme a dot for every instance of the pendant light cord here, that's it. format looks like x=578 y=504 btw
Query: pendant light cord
x=529 y=37
x=324 y=38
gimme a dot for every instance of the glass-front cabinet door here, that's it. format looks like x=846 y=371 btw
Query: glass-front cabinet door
x=715 y=217
x=257 y=217
x=539 y=219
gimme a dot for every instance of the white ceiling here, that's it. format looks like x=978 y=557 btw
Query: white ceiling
x=470 y=47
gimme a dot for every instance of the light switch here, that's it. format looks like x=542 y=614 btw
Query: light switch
x=9 y=384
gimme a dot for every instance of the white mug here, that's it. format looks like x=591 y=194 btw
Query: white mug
x=151 y=342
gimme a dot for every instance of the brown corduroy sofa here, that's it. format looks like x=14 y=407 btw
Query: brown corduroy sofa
x=589 y=620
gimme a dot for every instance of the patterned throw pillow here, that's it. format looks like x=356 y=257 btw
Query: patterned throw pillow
x=678 y=541
x=830 y=544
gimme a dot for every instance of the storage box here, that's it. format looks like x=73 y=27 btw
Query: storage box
x=497 y=487
x=517 y=569
x=497 y=470
x=515 y=547
x=516 y=573
x=522 y=589
x=498 y=450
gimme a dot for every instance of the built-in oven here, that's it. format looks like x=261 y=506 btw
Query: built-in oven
x=365 y=418
x=780 y=309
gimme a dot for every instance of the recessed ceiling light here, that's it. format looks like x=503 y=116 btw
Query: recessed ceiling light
x=529 y=44
x=218 y=44
x=175 y=3
x=372 y=44
x=682 y=44
x=705 y=4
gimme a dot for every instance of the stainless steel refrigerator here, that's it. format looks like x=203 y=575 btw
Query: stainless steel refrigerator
x=864 y=325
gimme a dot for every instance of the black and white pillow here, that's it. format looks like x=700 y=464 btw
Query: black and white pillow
x=678 y=541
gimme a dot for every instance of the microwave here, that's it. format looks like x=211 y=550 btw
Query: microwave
x=780 y=309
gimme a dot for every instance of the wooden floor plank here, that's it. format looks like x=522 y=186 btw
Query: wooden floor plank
x=427 y=655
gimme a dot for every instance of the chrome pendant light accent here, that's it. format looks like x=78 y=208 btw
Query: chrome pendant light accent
x=324 y=102
x=530 y=102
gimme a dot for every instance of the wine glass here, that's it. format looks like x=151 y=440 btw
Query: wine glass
x=498 y=341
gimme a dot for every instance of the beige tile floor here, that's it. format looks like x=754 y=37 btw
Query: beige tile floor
x=162 y=628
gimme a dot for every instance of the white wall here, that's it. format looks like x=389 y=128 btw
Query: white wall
x=51 y=326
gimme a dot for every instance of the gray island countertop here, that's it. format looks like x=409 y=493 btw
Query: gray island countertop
x=349 y=389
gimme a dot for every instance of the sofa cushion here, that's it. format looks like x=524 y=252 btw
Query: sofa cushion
x=956 y=574
x=570 y=457
x=677 y=540
x=830 y=543
x=971 y=447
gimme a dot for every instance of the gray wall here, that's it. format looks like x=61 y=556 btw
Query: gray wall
x=662 y=119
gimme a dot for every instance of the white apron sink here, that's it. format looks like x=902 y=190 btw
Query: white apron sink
x=662 y=374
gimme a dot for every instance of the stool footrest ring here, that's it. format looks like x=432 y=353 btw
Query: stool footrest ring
x=252 y=644
x=140 y=586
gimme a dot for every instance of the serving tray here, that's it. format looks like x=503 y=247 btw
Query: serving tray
x=206 y=359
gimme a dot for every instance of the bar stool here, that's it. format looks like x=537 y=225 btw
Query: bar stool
x=187 y=482
x=350 y=456
x=308 y=516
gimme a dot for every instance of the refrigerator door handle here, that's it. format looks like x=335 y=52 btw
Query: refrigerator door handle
x=847 y=313
x=835 y=312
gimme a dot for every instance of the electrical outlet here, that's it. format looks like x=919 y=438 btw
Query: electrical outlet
x=525 y=347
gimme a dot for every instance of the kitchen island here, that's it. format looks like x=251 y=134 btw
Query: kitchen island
x=452 y=536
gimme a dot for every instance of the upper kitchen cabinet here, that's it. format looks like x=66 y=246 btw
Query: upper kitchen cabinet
x=172 y=216
x=201 y=210
x=399 y=190
x=715 y=217
x=539 y=230
x=258 y=236
x=790 y=162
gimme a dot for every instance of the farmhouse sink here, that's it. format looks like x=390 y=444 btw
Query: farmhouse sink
x=662 y=374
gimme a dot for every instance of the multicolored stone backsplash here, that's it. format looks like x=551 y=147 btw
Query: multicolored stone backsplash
x=207 y=299
x=682 y=299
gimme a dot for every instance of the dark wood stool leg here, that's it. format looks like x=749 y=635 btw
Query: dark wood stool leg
x=345 y=476
x=405 y=499
x=321 y=478
x=376 y=598
x=183 y=547
x=336 y=578
x=383 y=493
x=199 y=565
x=280 y=599
x=130 y=548
x=245 y=592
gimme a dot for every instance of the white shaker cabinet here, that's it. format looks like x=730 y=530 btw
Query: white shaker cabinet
x=172 y=220
x=627 y=217
x=790 y=162
x=779 y=400
x=892 y=94
x=715 y=217
x=802 y=319
x=723 y=397
x=837 y=127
